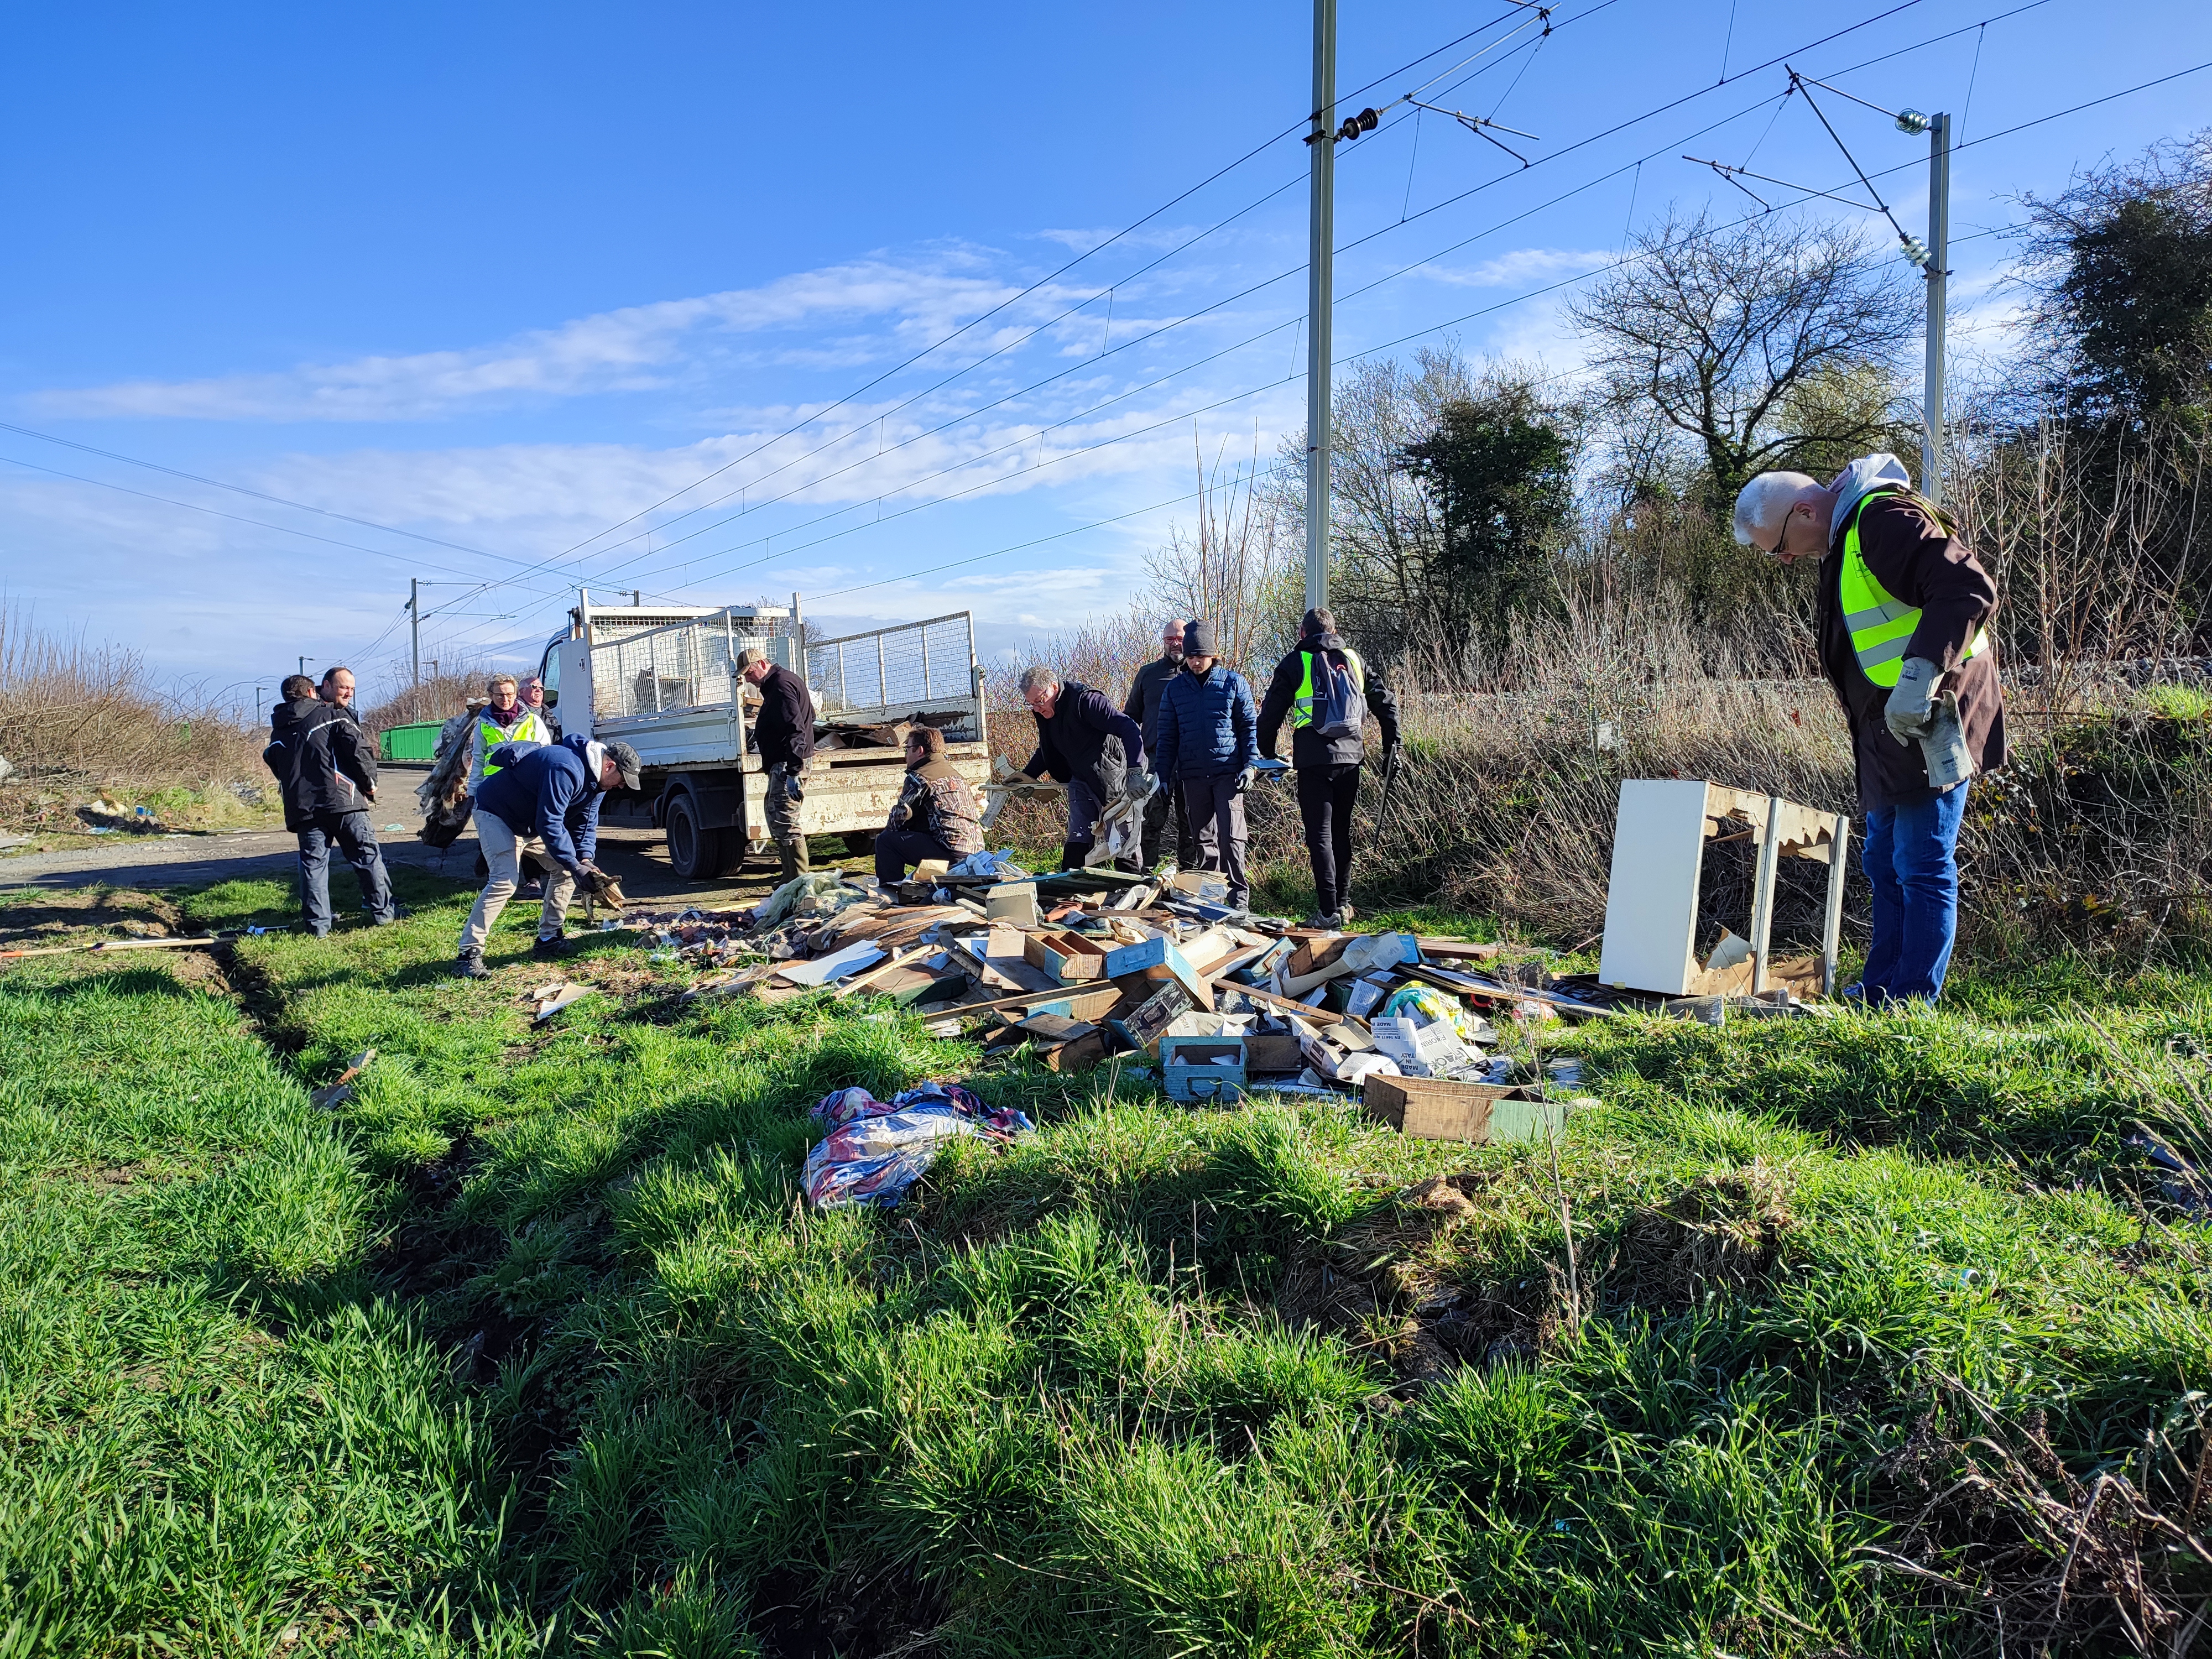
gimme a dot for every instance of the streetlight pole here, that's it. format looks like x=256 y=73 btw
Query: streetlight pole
x=1939 y=258
x=1320 y=298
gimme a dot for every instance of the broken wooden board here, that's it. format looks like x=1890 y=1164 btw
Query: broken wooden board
x=1430 y=1109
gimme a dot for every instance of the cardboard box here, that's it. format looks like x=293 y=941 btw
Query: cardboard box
x=1429 y=1109
x=1070 y=958
x=1434 y=1045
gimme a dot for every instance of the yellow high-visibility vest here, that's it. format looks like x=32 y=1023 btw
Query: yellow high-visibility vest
x=523 y=730
x=1302 y=707
x=1881 y=627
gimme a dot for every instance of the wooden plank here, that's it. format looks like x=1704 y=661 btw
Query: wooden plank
x=1831 y=932
x=1288 y=1005
x=1762 y=897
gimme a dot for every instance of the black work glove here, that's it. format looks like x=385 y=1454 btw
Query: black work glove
x=1393 y=761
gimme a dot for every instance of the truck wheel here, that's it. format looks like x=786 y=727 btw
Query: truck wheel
x=697 y=853
x=860 y=842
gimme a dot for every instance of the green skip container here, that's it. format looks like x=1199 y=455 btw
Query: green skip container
x=418 y=742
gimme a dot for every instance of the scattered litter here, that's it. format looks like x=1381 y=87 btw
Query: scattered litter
x=332 y=1095
x=877 y=1150
x=985 y=866
x=549 y=1000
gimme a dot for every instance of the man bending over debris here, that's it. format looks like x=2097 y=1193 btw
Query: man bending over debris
x=935 y=816
x=783 y=737
x=544 y=800
x=1904 y=607
x=325 y=769
x=1208 y=744
x=1089 y=746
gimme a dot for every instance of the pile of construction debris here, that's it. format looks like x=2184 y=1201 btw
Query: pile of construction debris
x=1158 y=977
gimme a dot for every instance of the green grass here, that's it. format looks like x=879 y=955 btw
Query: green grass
x=530 y=1344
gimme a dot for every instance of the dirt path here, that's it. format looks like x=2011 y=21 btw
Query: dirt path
x=639 y=857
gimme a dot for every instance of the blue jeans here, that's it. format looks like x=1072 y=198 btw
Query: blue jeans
x=1911 y=859
x=351 y=833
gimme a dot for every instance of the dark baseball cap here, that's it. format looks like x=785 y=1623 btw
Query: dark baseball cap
x=625 y=758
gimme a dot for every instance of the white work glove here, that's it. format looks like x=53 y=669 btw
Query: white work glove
x=1245 y=777
x=1911 y=704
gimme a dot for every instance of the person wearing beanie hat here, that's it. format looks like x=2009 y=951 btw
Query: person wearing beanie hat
x=1321 y=686
x=1207 y=748
x=935 y=815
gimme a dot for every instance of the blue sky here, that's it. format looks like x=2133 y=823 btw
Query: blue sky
x=504 y=276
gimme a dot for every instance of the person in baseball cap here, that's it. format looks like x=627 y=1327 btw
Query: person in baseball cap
x=544 y=800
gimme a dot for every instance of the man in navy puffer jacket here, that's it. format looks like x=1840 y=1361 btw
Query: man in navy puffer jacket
x=545 y=799
x=1207 y=743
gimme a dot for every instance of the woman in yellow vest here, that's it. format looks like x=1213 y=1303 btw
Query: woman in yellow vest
x=1904 y=610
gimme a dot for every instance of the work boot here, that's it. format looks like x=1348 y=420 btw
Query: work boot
x=551 y=946
x=470 y=964
x=1330 y=919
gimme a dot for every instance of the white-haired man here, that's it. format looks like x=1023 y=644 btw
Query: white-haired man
x=1904 y=610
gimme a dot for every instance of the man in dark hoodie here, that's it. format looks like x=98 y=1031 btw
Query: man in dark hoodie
x=1089 y=746
x=325 y=771
x=1905 y=611
x=1322 y=686
x=1142 y=705
x=544 y=800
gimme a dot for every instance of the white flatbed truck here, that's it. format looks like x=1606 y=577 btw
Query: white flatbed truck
x=663 y=680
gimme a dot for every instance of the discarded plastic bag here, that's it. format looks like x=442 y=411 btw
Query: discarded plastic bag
x=877 y=1150
x=991 y=866
x=825 y=885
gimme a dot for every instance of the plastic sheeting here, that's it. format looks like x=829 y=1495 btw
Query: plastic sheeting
x=876 y=1149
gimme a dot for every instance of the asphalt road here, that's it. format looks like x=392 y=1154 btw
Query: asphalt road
x=638 y=857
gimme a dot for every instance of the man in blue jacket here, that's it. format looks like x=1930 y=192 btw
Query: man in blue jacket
x=1208 y=745
x=544 y=800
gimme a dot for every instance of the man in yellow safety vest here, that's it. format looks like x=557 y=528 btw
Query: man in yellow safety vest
x=1904 y=610
x=505 y=718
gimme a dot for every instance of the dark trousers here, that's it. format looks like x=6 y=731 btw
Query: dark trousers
x=351 y=833
x=1164 y=804
x=1217 y=809
x=896 y=850
x=1325 y=798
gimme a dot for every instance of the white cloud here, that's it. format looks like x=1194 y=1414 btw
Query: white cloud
x=1521 y=267
x=638 y=347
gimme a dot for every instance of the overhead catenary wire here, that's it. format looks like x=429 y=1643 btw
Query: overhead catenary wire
x=1294 y=271
x=1126 y=231
x=1482 y=311
x=1567 y=282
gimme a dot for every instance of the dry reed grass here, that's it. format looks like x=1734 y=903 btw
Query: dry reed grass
x=78 y=719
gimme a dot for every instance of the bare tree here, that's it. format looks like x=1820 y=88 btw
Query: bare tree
x=1231 y=566
x=1741 y=338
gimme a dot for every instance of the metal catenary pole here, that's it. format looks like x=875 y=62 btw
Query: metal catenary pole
x=1321 y=241
x=1939 y=257
x=414 y=625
